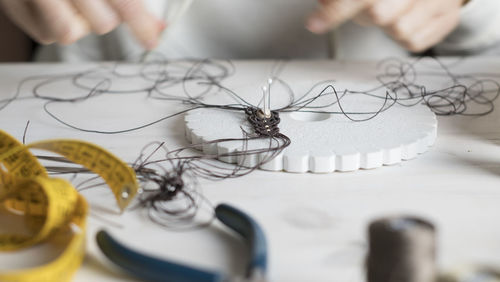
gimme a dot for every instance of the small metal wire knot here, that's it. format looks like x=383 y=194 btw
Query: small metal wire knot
x=263 y=125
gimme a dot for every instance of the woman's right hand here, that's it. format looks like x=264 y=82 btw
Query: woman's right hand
x=66 y=21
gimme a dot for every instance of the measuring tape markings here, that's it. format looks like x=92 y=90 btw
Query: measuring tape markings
x=51 y=206
x=117 y=174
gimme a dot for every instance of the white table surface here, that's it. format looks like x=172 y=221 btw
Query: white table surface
x=315 y=224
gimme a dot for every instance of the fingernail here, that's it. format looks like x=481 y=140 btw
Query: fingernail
x=317 y=25
x=151 y=44
x=162 y=25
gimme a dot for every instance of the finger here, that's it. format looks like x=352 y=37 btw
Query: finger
x=145 y=26
x=334 y=12
x=384 y=12
x=20 y=14
x=420 y=14
x=59 y=21
x=100 y=15
x=433 y=33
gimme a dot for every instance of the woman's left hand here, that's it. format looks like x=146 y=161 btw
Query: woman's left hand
x=416 y=24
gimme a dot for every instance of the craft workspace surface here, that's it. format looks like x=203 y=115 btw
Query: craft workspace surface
x=316 y=224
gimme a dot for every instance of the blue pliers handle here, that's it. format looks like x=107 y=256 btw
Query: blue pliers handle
x=153 y=269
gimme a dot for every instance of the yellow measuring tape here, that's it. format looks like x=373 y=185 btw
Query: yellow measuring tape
x=51 y=207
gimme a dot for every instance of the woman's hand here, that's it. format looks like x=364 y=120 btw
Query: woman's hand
x=66 y=21
x=416 y=24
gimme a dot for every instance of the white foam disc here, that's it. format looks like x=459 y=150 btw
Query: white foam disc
x=323 y=143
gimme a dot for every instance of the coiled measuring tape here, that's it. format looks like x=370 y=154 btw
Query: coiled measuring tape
x=51 y=206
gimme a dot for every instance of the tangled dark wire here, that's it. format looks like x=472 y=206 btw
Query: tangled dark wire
x=173 y=197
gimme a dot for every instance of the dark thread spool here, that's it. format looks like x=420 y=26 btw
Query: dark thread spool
x=402 y=249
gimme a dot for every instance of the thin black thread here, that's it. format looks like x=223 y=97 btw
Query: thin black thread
x=173 y=176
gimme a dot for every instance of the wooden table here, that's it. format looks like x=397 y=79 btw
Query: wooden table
x=315 y=224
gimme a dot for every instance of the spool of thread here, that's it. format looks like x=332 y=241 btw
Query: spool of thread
x=401 y=249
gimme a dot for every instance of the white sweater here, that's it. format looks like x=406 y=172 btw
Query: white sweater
x=275 y=29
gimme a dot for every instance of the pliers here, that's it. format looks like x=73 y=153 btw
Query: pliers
x=153 y=269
